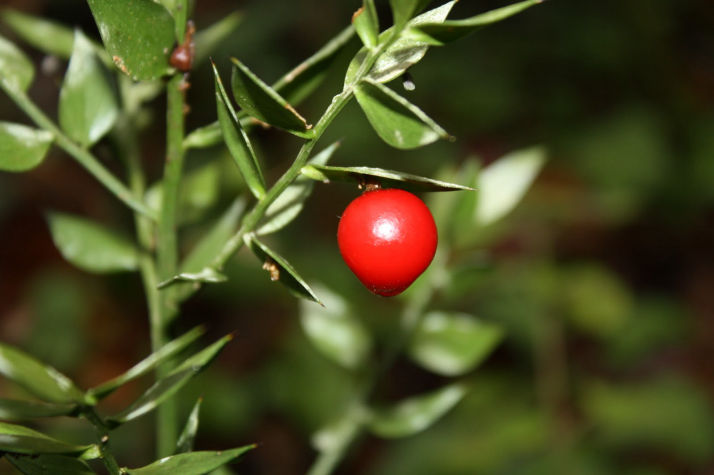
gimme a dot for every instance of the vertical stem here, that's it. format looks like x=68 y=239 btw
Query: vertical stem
x=103 y=432
x=551 y=384
x=167 y=250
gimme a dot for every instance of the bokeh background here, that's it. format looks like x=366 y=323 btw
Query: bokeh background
x=603 y=278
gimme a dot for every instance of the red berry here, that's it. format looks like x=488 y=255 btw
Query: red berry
x=387 y=238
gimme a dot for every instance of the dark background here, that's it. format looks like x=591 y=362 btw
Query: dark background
x=603 y=277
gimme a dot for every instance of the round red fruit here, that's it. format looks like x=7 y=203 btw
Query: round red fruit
x=387 y=238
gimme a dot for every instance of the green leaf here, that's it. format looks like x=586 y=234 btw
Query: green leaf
x=178 y=10
x=199 y=192
x=210 y=245
x=307 y=76
x=280 y=270
x=14 y=410
x=199 y=189
x=47 y=464
x=207 y=39
x=452 y=344
x=41 y=380
x=237 y=141
x=441 y=33
x=22 y=148
x=294 y=86
x=415 y=414
x=188 y=434
x=192 y=463
x=204 y=137
x=87 y=105
x=403 y=53
x=397 y=121
x=169 y=384
x=404 y=10
x=90 y=246
x=455 y=214
x=146 y=365
x=288 y=205
x=335 y=331
x=262 y=102
x=205 y=275
x=47 y=36
x=16 y=71
x=386 y=178
x=199 y=259
x=22 y=440
x=138 y=35
x=503 y=184
x=366 y=23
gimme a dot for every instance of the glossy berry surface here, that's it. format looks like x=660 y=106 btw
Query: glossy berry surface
x=387 y=238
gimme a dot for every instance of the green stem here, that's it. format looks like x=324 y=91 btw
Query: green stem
x=80 y=154
x=167 y=250
x=103 y=432
x=252 y=219
x=338 y=102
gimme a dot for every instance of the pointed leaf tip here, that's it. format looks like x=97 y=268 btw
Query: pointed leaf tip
x=262 y=102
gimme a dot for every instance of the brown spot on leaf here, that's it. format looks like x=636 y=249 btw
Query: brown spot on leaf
x=272 y=268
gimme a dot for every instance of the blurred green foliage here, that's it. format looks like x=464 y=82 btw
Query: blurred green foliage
x=601 y=279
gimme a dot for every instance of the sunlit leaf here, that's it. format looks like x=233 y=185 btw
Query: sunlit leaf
x=404 y=10
x=237 y=141
x=50 y=464
x=335 y=331
x=386 y=178
x=91 y=246
x=207 y=39
x=41 y=380
x=188 y=434
x=16 y=71
x=192 y=463
x=503 y=183
x=366 y=23
x=147 y=364
x=87 y=106
x=169 y=384
x=415 y=414
x=45 y=35
x=205 y=275
x=203 y=137
x=22 y=148
x=291 y=201
x=452 y=344
x=22 y=440
x=450 y=30
x=396 y=120
x=404 y=52
x=280 y=270
x=17 y=409
x=262 y=102
x=138 y=34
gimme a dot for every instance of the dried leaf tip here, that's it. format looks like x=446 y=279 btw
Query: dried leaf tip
x=357 y=13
